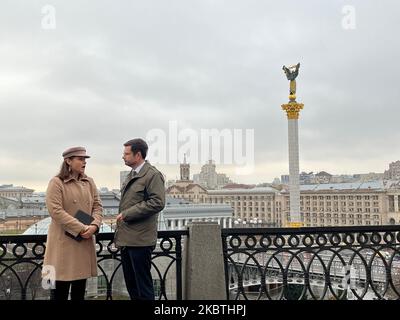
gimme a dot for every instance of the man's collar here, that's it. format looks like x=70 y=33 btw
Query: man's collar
x=138 y=168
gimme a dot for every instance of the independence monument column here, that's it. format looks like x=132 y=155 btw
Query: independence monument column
x=292 y=109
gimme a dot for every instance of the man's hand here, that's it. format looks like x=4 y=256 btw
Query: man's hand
x=119 y=217
x=90 y=230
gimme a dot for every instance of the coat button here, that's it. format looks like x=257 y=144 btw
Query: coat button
x=75 y=201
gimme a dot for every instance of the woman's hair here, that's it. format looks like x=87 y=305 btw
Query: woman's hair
x=64 y=170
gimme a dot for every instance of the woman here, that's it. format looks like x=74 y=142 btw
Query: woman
x=72 y=261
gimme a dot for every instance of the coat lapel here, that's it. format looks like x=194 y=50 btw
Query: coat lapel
x=132 y=178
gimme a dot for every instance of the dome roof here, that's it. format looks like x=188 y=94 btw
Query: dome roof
x=42 y=227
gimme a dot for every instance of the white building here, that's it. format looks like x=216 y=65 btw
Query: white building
x=178 y=213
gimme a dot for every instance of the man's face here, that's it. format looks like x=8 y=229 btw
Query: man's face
x=131 y=160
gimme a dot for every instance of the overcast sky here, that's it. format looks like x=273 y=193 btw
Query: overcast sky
x=111 y=71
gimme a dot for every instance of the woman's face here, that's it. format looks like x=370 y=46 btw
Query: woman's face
x=77 y=164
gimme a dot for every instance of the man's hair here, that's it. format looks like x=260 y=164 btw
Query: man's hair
x=138 y=145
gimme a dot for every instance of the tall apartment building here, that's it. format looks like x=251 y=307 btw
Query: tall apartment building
x=209 y=178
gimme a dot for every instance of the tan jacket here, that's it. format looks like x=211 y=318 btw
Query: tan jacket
x=142 y=198
x=71 y=259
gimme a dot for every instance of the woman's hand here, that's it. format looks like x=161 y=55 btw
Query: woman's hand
x=90 y=230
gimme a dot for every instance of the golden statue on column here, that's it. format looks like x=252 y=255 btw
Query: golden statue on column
x=292 y=108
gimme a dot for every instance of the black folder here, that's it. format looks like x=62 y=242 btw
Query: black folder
x=85 y=219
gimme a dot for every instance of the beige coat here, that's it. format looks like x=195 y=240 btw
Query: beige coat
x=71 y=259
x=142 y=198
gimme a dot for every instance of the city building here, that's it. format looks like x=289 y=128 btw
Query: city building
x=178 y=213
x=11 y=191
x=393 y=173
x=209 y=178
x=327 y=204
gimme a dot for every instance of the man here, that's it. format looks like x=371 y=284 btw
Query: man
x=142 y=198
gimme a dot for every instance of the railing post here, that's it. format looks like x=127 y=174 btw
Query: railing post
x=178 y=240
x=203 y=263
x=226 y=266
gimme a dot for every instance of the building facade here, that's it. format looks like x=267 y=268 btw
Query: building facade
x=343 y=204
x=11 y=191
x=209 y=178
x=393 y=172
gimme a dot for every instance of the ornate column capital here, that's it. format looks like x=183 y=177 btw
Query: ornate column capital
x=292 y=109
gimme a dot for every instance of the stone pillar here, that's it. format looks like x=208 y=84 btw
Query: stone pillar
x=224 y=222
x=203 y=263
x=179 y=223
x=396 y=203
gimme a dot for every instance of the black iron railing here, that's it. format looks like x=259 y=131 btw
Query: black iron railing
x=312 y=263
x=21 y=259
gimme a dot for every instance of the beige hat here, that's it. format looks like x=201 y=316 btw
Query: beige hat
x=75 y=152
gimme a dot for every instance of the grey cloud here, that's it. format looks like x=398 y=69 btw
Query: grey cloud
x=206 y=64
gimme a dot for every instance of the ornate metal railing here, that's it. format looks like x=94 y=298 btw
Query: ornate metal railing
x=21 y=259
x=312 y=263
